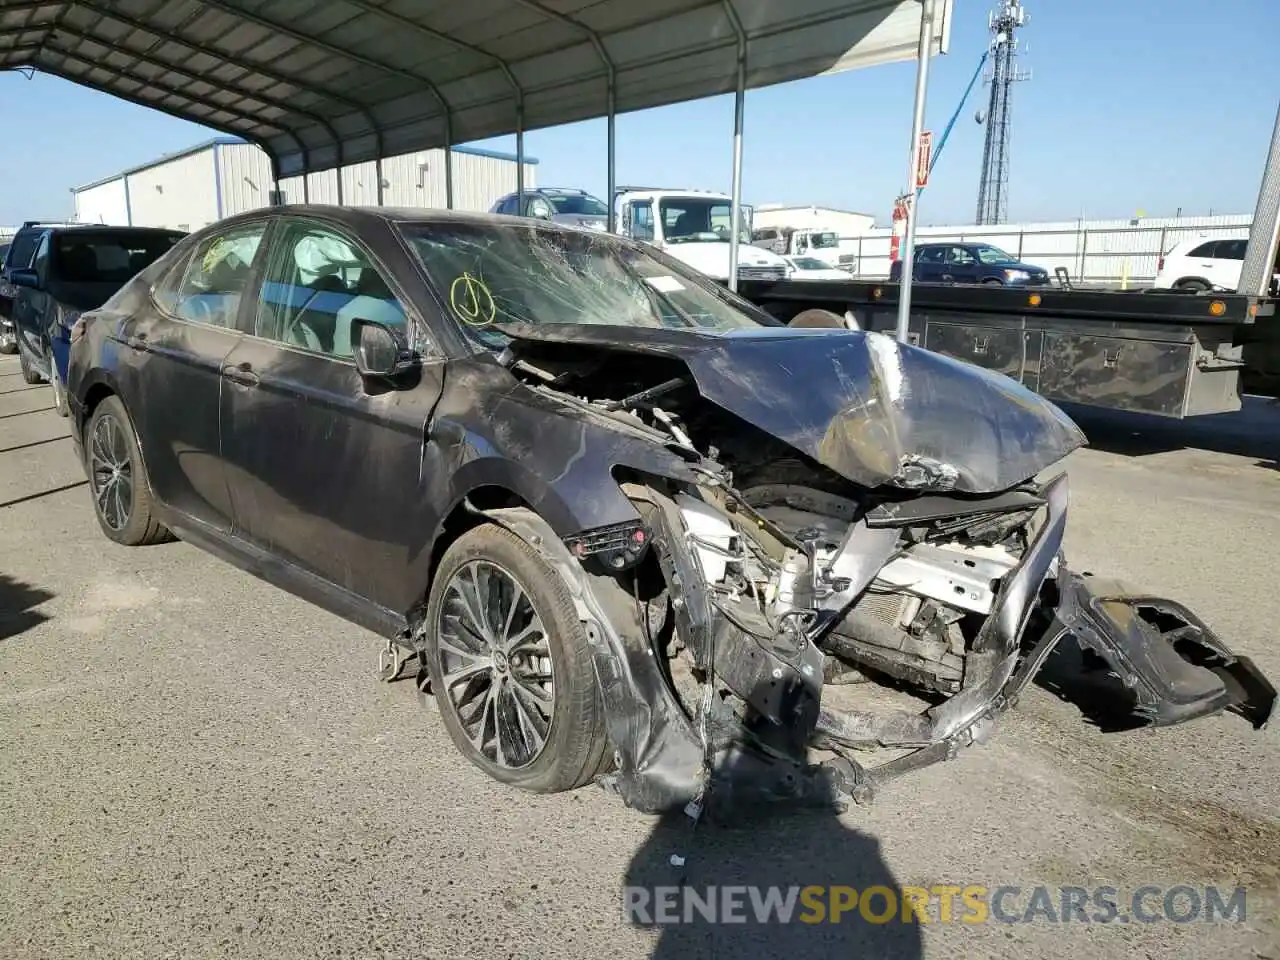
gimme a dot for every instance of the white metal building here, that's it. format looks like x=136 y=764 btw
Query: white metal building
x=845 y=223
x=226 y=176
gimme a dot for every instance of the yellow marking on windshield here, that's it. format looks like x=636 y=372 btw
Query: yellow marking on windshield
x=471 y=301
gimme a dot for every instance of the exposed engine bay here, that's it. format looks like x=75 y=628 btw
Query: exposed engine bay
x=721 y=616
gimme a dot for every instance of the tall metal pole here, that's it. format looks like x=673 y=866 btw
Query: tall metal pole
x=612 y=160
x=907 y=251
x=520 y=155
x=377 y=172
x=448 y=161
x=739 y=102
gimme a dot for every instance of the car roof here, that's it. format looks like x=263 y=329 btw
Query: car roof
x=358 y=218
x=109 y=228
x=362 y=218
x=1205 y=238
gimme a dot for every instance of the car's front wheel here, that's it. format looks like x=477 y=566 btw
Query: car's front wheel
x=509 y=665
x=117 y=478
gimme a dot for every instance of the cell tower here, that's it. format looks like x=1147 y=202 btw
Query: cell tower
x=1002 y=73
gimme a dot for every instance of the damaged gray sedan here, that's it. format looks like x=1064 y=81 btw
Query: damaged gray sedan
x=625 y=527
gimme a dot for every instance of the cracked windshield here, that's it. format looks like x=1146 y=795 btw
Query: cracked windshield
x=538 y=275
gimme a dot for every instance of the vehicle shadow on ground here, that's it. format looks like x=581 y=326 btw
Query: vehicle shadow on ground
x=1085 y=680
x=772 y=847
x=18 y=601
x=1253 y=431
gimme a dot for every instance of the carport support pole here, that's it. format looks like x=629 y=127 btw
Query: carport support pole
x=612 y=160
x=735 y=215
x=448 y=176
x=377 y=172
x=520 y=155
x=448 y=161
x=907 y=252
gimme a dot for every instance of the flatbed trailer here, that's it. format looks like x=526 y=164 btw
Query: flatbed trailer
x=1160 y=352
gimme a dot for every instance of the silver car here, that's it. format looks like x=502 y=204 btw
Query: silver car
x=572 y=207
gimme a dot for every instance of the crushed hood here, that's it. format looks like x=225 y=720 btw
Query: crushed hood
x=875 y=411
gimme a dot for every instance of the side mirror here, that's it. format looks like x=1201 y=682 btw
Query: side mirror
x=381 y=351
x=25 y=278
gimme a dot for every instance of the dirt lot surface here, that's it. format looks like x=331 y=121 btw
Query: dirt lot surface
x=194 y=764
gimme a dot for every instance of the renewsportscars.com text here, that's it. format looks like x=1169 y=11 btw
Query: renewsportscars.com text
x=942 y=903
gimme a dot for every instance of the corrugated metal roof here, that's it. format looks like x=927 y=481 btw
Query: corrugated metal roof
x=215 y=141
x=322 y=83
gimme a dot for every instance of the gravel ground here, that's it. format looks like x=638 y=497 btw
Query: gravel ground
x=194 y=764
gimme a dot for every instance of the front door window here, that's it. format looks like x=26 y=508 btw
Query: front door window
x=317 y=283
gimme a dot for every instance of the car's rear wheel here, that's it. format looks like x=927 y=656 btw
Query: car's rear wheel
x=509 y=665
x=29 y=373
x=117 y=478
x=1192 y=286
x=8 y=343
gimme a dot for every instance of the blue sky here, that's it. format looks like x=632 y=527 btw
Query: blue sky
x=1149 y=105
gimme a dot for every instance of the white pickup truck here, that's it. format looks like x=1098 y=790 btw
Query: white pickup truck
x=695 y=227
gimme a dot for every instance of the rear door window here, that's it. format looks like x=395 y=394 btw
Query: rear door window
x=1206 y=250
x=216 y=277
x=1232 y=249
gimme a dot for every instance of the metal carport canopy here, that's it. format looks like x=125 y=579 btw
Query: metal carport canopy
x=326 y=83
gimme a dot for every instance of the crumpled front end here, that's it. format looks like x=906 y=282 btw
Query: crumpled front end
x=719 y=676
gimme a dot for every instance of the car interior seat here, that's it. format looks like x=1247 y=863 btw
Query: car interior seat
x=685 y=225
x=373 y=301
x=77 y=263
x=314 y=323
x=224 y=285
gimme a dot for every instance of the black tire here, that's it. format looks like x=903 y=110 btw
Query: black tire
x=8 y=345
x=140 y=526
x=29 y=373
x=60 y=405
x=1191 y=286
x=992 y=282
x=576 y=748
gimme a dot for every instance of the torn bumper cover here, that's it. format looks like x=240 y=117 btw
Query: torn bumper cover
x=1175 y=666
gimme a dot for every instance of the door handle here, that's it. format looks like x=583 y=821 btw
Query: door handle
x=242 y=373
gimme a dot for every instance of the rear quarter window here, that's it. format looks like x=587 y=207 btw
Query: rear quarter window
x=107 y=257
x=22 y=249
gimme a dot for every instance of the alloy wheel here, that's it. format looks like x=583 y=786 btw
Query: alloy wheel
x=111 y=472
x=495 y=661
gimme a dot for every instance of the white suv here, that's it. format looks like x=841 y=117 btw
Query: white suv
x=1202 y=264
